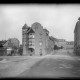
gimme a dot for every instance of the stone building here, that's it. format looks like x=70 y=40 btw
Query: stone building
x=34 y=39
x=69 y=44
x=77 y=38
x=12 y=44
x=61 y=42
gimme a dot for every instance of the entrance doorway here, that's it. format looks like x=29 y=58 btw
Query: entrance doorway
x=31 y=51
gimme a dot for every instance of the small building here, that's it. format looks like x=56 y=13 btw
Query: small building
x=69 y=44
x=61 y=42
x=12 y=45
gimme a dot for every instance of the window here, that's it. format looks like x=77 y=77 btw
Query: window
x=30 y=33
x=31 y=36
x=40 y=52
x=46 y=34
x=36 y=27
x=30 y=44
x=40 y=43
x=30 y=41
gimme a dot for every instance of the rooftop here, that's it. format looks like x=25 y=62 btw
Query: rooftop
x=25 y=26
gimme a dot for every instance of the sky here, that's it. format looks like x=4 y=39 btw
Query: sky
x=58 y=19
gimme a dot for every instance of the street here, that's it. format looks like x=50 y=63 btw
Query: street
x=48 y=66
x=53 y=68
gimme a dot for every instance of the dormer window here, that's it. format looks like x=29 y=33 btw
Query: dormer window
x=31 y=35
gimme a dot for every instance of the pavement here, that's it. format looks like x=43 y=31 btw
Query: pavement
x=26 y=65
x=12 y=68
x=53 y=68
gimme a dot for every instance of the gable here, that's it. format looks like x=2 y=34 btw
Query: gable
x=31 y=31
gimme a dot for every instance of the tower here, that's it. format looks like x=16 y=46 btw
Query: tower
x=25 y=39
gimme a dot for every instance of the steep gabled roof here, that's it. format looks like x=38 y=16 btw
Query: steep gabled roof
x=30 y=30
x=11 y=42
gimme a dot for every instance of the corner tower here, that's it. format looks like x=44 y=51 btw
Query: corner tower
x=25 y=39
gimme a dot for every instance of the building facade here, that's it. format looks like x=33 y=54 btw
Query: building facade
x=34 y=39
x=61 y=42
x=69 y=44
x=12 y=44
x=77 y=38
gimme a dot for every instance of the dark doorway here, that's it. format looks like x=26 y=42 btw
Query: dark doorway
x=40 y=52
x=31 y=51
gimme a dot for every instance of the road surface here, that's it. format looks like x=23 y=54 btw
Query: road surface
x=53 y=68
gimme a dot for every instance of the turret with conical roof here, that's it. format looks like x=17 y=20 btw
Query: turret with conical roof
x=24 y=38
x=25 y=26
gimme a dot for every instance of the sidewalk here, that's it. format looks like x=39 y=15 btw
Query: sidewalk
x=15 y=67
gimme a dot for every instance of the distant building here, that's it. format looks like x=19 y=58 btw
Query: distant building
x=61 y=42
x=12 y=44
x=77 y=38
x=65 y=44
x=69 y=44
x=34 y=39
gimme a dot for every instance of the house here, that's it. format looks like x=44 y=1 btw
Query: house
x=34 y=39
x=12 y=45
x=69 y=44
x=61 y=43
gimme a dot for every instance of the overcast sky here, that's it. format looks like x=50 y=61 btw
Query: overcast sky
x=60 y=20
